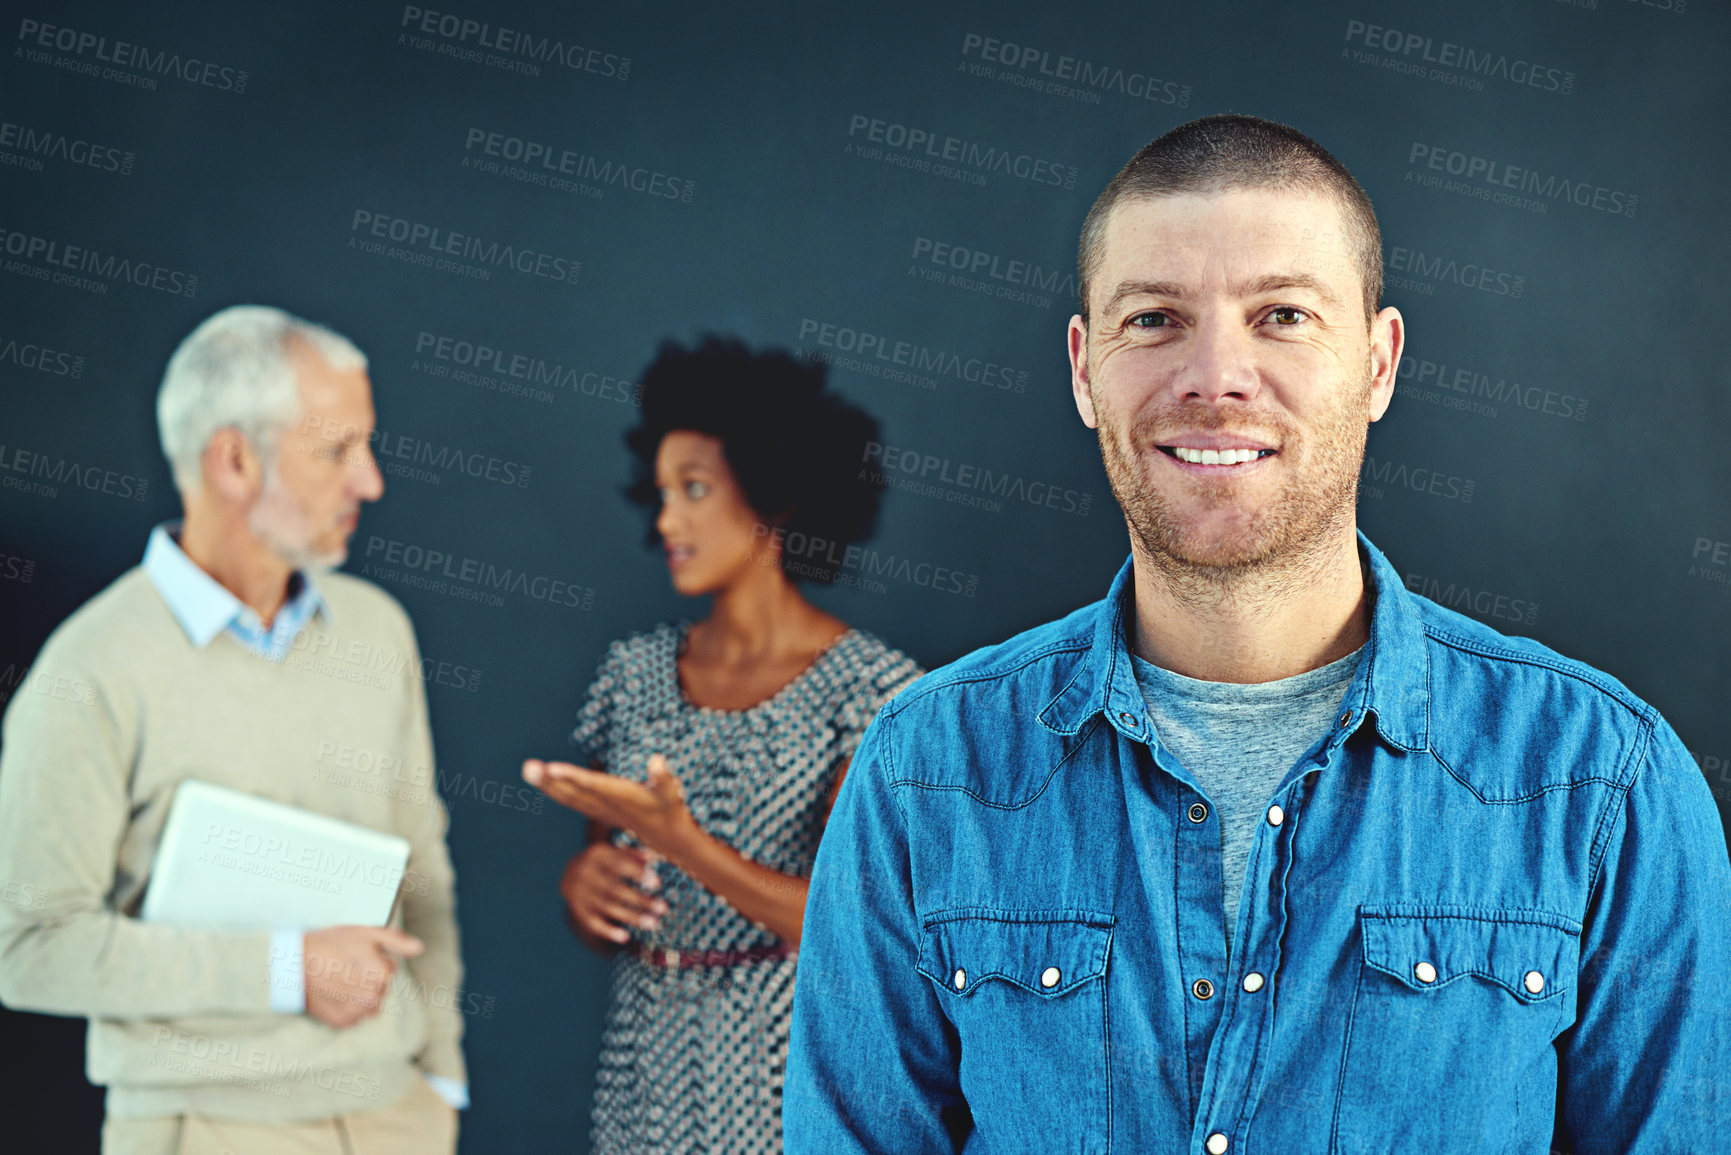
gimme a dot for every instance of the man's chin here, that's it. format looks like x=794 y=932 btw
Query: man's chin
x=1223 y=547
x=316 y=561
x=1224 y=558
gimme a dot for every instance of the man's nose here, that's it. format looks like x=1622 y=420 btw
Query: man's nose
x=1220 y=364
x=366 y=478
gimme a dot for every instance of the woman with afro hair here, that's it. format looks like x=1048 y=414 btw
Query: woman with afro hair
x=709 y=754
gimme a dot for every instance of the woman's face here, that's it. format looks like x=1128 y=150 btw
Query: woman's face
x=708 y=529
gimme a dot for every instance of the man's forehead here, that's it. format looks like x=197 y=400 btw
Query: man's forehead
x=1243 y=225
x=325 y=389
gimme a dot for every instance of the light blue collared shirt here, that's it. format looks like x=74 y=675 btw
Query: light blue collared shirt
x=204 y=607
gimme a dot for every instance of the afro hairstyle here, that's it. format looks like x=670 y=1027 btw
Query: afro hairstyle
x=798 y=452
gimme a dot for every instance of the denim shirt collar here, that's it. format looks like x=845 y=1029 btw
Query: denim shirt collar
x=1392 y=682
x=202 y=605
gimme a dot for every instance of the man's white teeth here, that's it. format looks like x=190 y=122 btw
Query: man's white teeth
x=1215 y=456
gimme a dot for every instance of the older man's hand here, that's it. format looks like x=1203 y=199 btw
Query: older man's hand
x=349 y=968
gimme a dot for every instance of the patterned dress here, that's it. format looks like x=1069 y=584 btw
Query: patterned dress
x=692 y=1057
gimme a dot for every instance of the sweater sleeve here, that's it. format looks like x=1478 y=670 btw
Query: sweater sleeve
x=429 y=902
x=66 y=754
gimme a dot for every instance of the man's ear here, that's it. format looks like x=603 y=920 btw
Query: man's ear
x=1387 y=339
x=231 y=466
x=1079 y=383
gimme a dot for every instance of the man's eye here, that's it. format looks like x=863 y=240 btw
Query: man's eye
x=1149 y=321
x=1287 y=316
x=695 y=489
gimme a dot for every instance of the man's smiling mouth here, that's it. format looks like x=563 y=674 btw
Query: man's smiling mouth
x=1214 y=456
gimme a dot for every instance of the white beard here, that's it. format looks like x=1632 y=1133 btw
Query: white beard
x=280 y=523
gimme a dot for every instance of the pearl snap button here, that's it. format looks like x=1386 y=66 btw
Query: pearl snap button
x=961 y=978
x=1276 y=816
x=1217 y=1144
x=1049 y=977
x=1534 y=982
x=1425 y=972
x=1252 y=982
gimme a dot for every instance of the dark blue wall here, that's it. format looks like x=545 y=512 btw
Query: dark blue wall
x=1554 y=462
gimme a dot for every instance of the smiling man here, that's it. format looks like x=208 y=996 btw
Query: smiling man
x=1261 y=852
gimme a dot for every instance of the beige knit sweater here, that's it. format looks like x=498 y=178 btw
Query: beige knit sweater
x=115 y=712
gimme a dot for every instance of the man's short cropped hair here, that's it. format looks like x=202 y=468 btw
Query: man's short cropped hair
x=1229 y=151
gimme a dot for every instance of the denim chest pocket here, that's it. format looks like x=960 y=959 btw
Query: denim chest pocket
x=1455 y=1008
x=1026 y=992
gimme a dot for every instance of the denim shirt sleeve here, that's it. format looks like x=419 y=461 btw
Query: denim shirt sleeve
x=1641 y=1069
x=872 y=1064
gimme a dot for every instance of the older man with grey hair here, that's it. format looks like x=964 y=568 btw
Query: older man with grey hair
x=226 y=656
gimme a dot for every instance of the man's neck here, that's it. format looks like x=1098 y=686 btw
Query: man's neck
x=237 y=560
x=1269 y=623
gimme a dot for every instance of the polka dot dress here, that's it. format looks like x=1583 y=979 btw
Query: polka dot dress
x=692 y=1058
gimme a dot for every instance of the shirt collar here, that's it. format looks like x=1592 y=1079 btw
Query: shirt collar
x=1392 y=682
x=204 y=606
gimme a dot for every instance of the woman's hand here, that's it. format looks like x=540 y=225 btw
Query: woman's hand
x=654 y=813
x=598 y=888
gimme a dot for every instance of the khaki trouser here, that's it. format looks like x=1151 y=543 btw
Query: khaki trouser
x=420 y=1123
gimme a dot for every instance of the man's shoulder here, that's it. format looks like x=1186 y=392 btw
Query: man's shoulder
x=1488 y=689
x=121 y=621
x=361 y=602
x=1035 y=655
x=972 y=725
x=1466 y=645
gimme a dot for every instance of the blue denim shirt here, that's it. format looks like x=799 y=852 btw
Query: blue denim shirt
x=1489 y=914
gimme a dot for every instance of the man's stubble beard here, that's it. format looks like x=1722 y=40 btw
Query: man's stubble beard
x=1280 y=545
x=279 y=521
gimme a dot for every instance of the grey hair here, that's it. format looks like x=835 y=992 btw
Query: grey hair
x=236 y=371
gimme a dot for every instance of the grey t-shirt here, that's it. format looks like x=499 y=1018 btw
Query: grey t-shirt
x=1238 y=742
